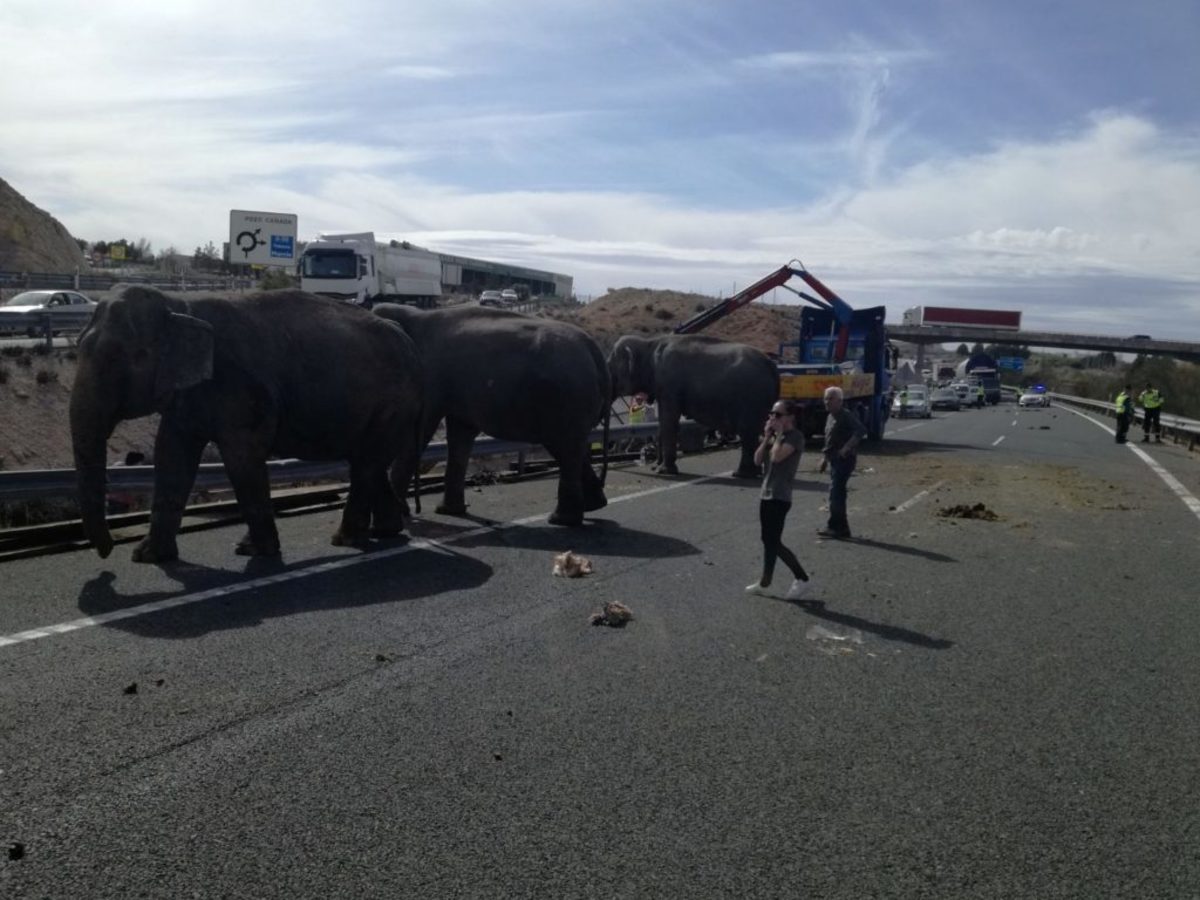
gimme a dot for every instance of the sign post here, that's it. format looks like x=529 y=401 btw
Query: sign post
x=262 y=238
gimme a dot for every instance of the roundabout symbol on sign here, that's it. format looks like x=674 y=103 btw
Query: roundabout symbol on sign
x=248 y=240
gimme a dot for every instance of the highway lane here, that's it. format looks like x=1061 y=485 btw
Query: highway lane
x=964 y=708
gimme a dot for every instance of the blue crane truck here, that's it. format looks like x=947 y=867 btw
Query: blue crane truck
x=838 y=346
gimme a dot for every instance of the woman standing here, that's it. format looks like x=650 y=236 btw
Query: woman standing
x=779 y=452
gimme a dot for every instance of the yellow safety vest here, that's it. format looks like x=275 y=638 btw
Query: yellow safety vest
x=1151 y=399
x=1122 y=402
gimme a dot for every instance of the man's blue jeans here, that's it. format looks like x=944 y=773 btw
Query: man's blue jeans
x=840 y=470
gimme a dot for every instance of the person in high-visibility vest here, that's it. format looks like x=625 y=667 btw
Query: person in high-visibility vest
x=1124 y=405
x=980 y=396
x=1152 y=402
x=903 y=402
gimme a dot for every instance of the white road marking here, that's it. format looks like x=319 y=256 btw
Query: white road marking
x=1170 y=480
x=1014 y=422
x=912 y=501
x=907 y=428
x=997 y=440
x=33 y=634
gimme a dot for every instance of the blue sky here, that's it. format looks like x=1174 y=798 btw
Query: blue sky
x=1032 y=155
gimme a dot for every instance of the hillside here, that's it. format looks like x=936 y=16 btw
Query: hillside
x=32 y=240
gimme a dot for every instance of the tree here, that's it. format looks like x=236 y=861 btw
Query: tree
x=977 y=348
x=962 y=350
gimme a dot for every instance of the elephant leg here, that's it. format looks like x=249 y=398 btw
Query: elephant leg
x=571 y=460
x=406 y=465
x=366 y=477
x=247 y=471
x=387 y=513
x=668 y=439
x=460 y=438
x=746 y=466
x=593 y=490
x=176 y=459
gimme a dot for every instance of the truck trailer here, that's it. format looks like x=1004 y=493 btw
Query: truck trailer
x=956 y=317
x=358 y=269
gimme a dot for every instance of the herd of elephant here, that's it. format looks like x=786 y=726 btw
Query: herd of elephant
x=290 y=374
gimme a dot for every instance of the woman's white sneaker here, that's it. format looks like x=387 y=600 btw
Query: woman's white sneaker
x=758 y=590
x=799 y=589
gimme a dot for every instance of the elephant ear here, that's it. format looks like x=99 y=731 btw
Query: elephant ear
x=188 y=356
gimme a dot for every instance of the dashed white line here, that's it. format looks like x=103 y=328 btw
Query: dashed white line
x=912 y=501
x=997 y=440
x=33 y=634
x=1189 y=500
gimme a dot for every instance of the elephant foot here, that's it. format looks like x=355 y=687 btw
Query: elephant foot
x=451 y=509
x=747 y=473
x=149 y=551
x=386 y=531
x=346 y=539
x=569 y=520
x=247 y=547
x=667 y=469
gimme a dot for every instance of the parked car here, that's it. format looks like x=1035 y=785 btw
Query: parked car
x=916 y=403
x=491 y=298
x=1034 y=397
x=963 y=390
x=944 y=398
x=510 y=297
x=65 y=305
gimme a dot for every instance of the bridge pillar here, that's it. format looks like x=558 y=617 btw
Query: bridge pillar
x=920 y=358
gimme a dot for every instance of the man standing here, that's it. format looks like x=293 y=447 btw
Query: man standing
x=1152 y=402
x=1124 y=404
x=903 y=402
x=843 y=432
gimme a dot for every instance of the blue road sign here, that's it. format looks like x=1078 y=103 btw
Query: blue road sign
x=1011 y=362
x=282 y=246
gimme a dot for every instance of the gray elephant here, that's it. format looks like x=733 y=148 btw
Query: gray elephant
x=722 y=385
x=516 y=378
x=281 y=373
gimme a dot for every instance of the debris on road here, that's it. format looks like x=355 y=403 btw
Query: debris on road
x=965 y=511
x=615 y=615
x=571 y=565
x=130 y=689
x=16 y=850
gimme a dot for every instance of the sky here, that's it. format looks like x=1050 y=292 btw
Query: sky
x=1031 y=154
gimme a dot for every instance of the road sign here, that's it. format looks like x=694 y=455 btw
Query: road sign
x=1011 y=362
x=262 y=238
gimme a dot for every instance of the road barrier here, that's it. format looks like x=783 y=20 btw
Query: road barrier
x=44 y=483
x=1179 y=429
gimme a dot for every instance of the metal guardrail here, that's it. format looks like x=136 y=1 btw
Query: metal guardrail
x=43 y=323
x=92 y=281
x=42 y=483
x=1178 y=428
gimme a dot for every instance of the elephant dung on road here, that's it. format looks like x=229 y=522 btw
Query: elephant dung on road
x=282 y=373
x=516 y=378
x=722 y=385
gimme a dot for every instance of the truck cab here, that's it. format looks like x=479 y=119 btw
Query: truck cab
x=358 y=269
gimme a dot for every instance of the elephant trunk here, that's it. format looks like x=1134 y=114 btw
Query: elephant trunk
x=90 y=430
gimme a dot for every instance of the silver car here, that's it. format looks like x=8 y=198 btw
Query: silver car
x=68 y=311
x=915 y=403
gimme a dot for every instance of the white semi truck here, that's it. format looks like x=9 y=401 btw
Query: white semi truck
x=359 y=269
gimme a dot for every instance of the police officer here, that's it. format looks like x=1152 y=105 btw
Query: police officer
x=1152 y=402
x=1124 y=404
x=903 y=402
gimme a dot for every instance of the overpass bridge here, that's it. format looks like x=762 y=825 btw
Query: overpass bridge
x=929 y=334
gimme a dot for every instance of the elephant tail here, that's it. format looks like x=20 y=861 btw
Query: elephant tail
x=604 y=447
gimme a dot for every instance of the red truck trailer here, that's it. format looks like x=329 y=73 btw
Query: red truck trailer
x=956 y=317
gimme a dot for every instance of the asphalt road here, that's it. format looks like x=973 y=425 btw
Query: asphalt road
x=964 y=707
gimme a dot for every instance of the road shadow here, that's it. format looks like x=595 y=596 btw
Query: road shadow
x=887 y=632
x=213 y=600
x=597 y=536
x=900 y=446
x=898 y=548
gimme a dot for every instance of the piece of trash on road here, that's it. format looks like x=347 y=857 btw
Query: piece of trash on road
x=615 y=615
x=572 y=565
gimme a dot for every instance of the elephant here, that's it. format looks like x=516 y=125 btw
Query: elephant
x=722 y=385
x=514 y=377
x=278 y=373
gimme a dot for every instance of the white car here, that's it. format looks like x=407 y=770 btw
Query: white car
x=916 y=403
x=509 y=296
x=1033 y=398
x=491 y=298
x=70 y=306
